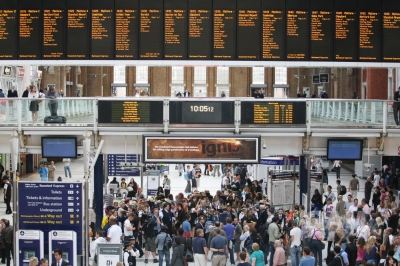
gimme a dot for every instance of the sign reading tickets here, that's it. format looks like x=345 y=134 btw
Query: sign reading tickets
x=200 y=149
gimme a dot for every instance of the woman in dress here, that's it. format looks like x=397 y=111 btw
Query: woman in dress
x=34 y=105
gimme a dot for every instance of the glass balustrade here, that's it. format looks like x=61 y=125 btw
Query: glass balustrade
x=351 y=113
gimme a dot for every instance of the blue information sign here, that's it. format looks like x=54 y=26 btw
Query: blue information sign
x=114 y=168
x=50 y=206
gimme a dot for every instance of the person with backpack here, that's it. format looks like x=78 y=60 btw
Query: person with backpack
x=130 y=254
x=341 y=190
x=164 y=244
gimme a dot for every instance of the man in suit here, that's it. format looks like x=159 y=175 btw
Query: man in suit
x=58 y=261
x=12 y=93
x=396 y=107
x=337 y=260
x=186 y=94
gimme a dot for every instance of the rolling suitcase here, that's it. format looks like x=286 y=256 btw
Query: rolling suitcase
x=55 y=120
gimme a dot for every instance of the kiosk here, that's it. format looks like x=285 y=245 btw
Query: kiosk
x=30 y=243
x=66 y=241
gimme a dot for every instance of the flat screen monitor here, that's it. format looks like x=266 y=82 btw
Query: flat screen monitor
x=59 y=147
x=28 y=253
x=339 y=149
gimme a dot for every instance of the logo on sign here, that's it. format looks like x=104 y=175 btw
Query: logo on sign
x=22 y=233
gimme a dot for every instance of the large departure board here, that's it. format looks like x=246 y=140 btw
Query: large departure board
x=54 y=20
x=126 y=29
x=266 y=113
x=346 y=30
x=201 y=112
x=175 y=29
x=78 y=29
x=130 y=112
x=248 y=29
x=30 y=21
x=297 y=30
x=369 y=38
x=103 y=29
x=200 y=29
x=273 y=30
x=321 y=48
x=391 y=31
x=151 y=29
x=224 y=30
x=8 y=29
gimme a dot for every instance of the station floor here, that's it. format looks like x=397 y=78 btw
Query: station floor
x=178 y=185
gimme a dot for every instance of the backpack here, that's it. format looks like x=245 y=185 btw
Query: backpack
x=190 y=175
x=343 y=190
x=59 y=179
x=167 y=243
x=264 y=233
x=248 y=243
x=131 y=259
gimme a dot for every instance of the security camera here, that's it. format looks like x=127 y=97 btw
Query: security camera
x=264 y=146
x=368 y=166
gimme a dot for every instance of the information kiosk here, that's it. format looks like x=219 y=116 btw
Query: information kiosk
x=30 y=243
x=66 y=241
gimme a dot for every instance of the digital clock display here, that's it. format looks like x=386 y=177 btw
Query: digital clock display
x=200 y=112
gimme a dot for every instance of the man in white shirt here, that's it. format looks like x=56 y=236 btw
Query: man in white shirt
x=329 y=194
x=376 y=179
x=329 y=212
x=349 y=201
x=354 y=207
x=224 y=178
x=93 y=246
x=66 y=162
x=295 y=239
x=128 y=228
x=114 y=232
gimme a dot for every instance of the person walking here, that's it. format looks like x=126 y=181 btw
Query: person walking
x=337 y=165
x=219 y=247
x=295 y=239
x=7 y=194
x=307 y=259
x=257 y=257
x=273 y=232
x=316 y=247
x=67 y=162
x=52 y=168
x=7 y=234
x=279 y=254
x=178 y=253
x=354 y=186
x=44 y=172
x=200 y=249
x=368 y=190
x=161 y=241
x=166 y=185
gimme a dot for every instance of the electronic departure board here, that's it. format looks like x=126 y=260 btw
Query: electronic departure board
x=273 y=30
x=200 y=29
x=30 y=21
x=54 y=20
x=273 y=113
x=297 y=30
x=8 y=29
x=248 y=29
x=321 y=45
x=103 y=29
x=175 y=29
x=151 y=29
x=346 y=30
x=369 y=38
x=78 y=29
x=130 y=112
x=126 y=29
x=391 y=31
x=224 y=29
x=202 y=112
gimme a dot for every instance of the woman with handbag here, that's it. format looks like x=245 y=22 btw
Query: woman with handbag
x=166 y=185
x=178 y=256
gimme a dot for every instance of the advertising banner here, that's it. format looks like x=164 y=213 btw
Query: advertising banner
x=199 y=149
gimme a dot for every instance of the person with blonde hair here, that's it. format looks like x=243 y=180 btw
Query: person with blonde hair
x=257 y=257
x=33 y=261
x=370 y=251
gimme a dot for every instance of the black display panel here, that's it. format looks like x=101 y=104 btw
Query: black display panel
x=54 y=21
x=30 y=29
x=273 y=30
x=8 y=29
x=248 y=28
x=201 y=112
x=321 y=44
x=269 y=113
x=369 y=40
x=126 y=29
x=297 y=30
x=391 y=31
x=78 y=29
x=103 y=29
x=151 y=29
x=224 y=29
x=130 y=112
x=175 y=29
x=346 y=33
x=200 y=29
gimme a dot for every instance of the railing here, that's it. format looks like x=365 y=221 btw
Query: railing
x=329 y=113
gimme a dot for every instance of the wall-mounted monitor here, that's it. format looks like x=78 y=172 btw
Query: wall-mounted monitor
x=345 y=149
x=59 y=147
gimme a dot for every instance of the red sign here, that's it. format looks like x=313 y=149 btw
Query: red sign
x=21 y=72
